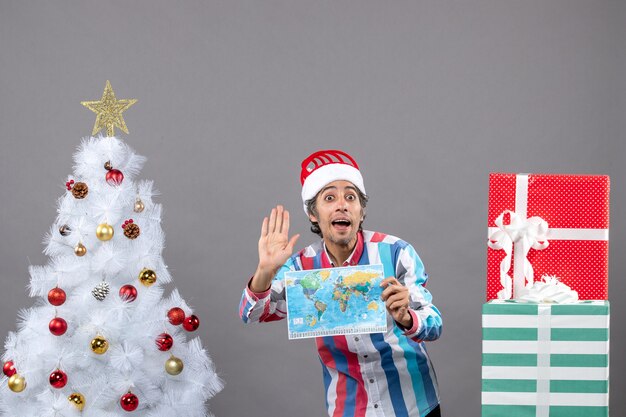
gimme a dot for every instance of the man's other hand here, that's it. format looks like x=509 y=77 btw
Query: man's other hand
x=275 y=248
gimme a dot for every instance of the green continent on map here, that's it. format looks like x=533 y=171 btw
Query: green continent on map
x=320 y=307
x=310 y=284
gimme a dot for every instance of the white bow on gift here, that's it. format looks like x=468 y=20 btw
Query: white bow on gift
x=549 y=290
x=523 y=234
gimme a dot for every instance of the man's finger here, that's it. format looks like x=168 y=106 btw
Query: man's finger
x=285 y=227
x=388 y=281
x=397 y=305
x=279 y=218
x=388 y=291
x=392 y=289
x=396 y=298
x=272 y=224
x=292 y=242
x=264 y=227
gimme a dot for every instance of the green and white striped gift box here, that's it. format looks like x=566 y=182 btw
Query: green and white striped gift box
x=545 y=360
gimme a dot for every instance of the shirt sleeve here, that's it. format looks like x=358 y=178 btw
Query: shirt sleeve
x=427 y=321
x=269 y=305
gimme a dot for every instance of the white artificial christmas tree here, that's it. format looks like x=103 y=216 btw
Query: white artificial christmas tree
x=102 y=339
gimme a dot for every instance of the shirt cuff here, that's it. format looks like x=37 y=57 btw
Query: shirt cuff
x=416 y=324
x=257 y=295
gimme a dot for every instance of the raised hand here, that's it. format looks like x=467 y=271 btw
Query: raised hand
x=275 y=248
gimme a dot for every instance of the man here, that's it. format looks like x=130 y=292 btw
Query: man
x=365 y=375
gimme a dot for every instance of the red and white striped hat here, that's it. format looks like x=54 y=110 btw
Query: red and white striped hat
x=323 y=167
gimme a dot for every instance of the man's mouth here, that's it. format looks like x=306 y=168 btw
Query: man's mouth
x=341 y=223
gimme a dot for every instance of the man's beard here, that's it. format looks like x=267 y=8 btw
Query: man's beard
x=343 y=241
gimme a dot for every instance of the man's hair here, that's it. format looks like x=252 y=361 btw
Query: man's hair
x=311 y=208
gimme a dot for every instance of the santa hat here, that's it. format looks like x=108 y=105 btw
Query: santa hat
x=323 y=167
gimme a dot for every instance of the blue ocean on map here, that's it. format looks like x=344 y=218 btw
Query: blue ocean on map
x=335 y=301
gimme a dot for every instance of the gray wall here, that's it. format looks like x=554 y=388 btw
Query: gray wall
x=428 y=96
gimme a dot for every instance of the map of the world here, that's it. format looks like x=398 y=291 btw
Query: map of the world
x=335 y=301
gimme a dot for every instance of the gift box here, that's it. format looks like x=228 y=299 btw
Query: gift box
x=545 y=360
x=548 y=225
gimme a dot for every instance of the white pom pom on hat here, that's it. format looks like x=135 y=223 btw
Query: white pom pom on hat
x=323 y=167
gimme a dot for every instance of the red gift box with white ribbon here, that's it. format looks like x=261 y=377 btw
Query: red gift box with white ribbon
x=544 y=224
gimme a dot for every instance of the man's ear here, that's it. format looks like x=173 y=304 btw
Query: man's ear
x=312 y=218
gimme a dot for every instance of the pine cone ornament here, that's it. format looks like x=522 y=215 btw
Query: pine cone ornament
x=131 y=230
x=101 y=291
x=80 y=190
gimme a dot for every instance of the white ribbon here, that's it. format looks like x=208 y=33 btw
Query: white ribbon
x=544 y=315
x=520 y=234
x=549 y=290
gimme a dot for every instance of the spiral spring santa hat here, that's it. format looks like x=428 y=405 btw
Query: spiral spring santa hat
x=323 y=167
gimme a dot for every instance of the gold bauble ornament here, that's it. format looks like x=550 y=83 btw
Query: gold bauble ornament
x=174 y=365
x=147 y=277
x=139 y=206
x=104 y=232
x=78 y=400
x=17 y=383
x=99 y=345
x=80 y=249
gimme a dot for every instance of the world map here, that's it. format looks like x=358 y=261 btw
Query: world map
x=335 y=301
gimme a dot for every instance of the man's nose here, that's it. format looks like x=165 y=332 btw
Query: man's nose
x=342 y=204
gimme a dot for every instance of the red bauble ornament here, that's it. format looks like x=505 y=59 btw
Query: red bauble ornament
x=56 y=296
x=129 y=402
x=128 y=293
x=58 y=379
x=114 y=177
x=191 y=323
x=9 y=369
x=164 y=342
x=176 y=316
x=57 y=326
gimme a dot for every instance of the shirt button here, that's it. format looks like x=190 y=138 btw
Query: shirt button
x=372 y=380
x=375 y=405
x=365 y=356
x=356 y=339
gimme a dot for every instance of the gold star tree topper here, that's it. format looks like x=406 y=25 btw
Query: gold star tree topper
x=109 y=111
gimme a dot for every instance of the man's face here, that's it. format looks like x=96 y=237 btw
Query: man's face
x=339 y=213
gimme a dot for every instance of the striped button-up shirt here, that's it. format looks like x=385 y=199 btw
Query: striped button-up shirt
x=368 y=375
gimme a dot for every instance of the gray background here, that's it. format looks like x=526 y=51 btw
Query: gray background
x=429 y=97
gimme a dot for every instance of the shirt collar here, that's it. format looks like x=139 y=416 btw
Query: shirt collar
x=354 y=257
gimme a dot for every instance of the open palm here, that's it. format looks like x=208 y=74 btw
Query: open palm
x=275 y=247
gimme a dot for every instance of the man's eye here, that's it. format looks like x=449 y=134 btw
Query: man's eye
x=329 y=198
x=350 y=197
